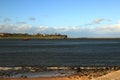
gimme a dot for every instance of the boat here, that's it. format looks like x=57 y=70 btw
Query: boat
x=26 y=39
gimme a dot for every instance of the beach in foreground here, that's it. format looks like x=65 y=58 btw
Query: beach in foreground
x=110 y=76
x=61 y=73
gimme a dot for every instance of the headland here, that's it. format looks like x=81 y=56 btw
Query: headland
x=31 y=36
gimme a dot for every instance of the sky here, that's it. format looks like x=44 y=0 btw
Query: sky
x=75 y=18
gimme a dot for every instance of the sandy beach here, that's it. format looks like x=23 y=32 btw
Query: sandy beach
x=50 y=78
x=111 y=76
x=114 y=75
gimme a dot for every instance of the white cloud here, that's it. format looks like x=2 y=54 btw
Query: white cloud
x=98 y=20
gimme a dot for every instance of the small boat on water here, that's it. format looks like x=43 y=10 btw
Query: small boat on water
x=26 y=39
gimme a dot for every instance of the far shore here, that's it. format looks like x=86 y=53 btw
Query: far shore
x=61 y=38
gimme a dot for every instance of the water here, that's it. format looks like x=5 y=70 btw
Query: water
x=44 y=74
x=66 y=52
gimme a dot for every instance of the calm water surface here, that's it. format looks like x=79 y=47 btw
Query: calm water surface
x=67 y=52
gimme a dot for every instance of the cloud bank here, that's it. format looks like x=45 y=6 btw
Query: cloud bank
x=79 y=31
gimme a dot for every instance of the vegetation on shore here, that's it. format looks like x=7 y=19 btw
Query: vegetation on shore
x=31 y=36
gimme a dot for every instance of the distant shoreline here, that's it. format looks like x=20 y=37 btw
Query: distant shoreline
x=94 y=38
x=62 y=38
x=31 y=36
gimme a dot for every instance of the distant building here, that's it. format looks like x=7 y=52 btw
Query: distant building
x=1 y=34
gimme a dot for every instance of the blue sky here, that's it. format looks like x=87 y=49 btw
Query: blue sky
x=76 y=18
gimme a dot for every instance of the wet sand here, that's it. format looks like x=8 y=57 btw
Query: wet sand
x=114 y=75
